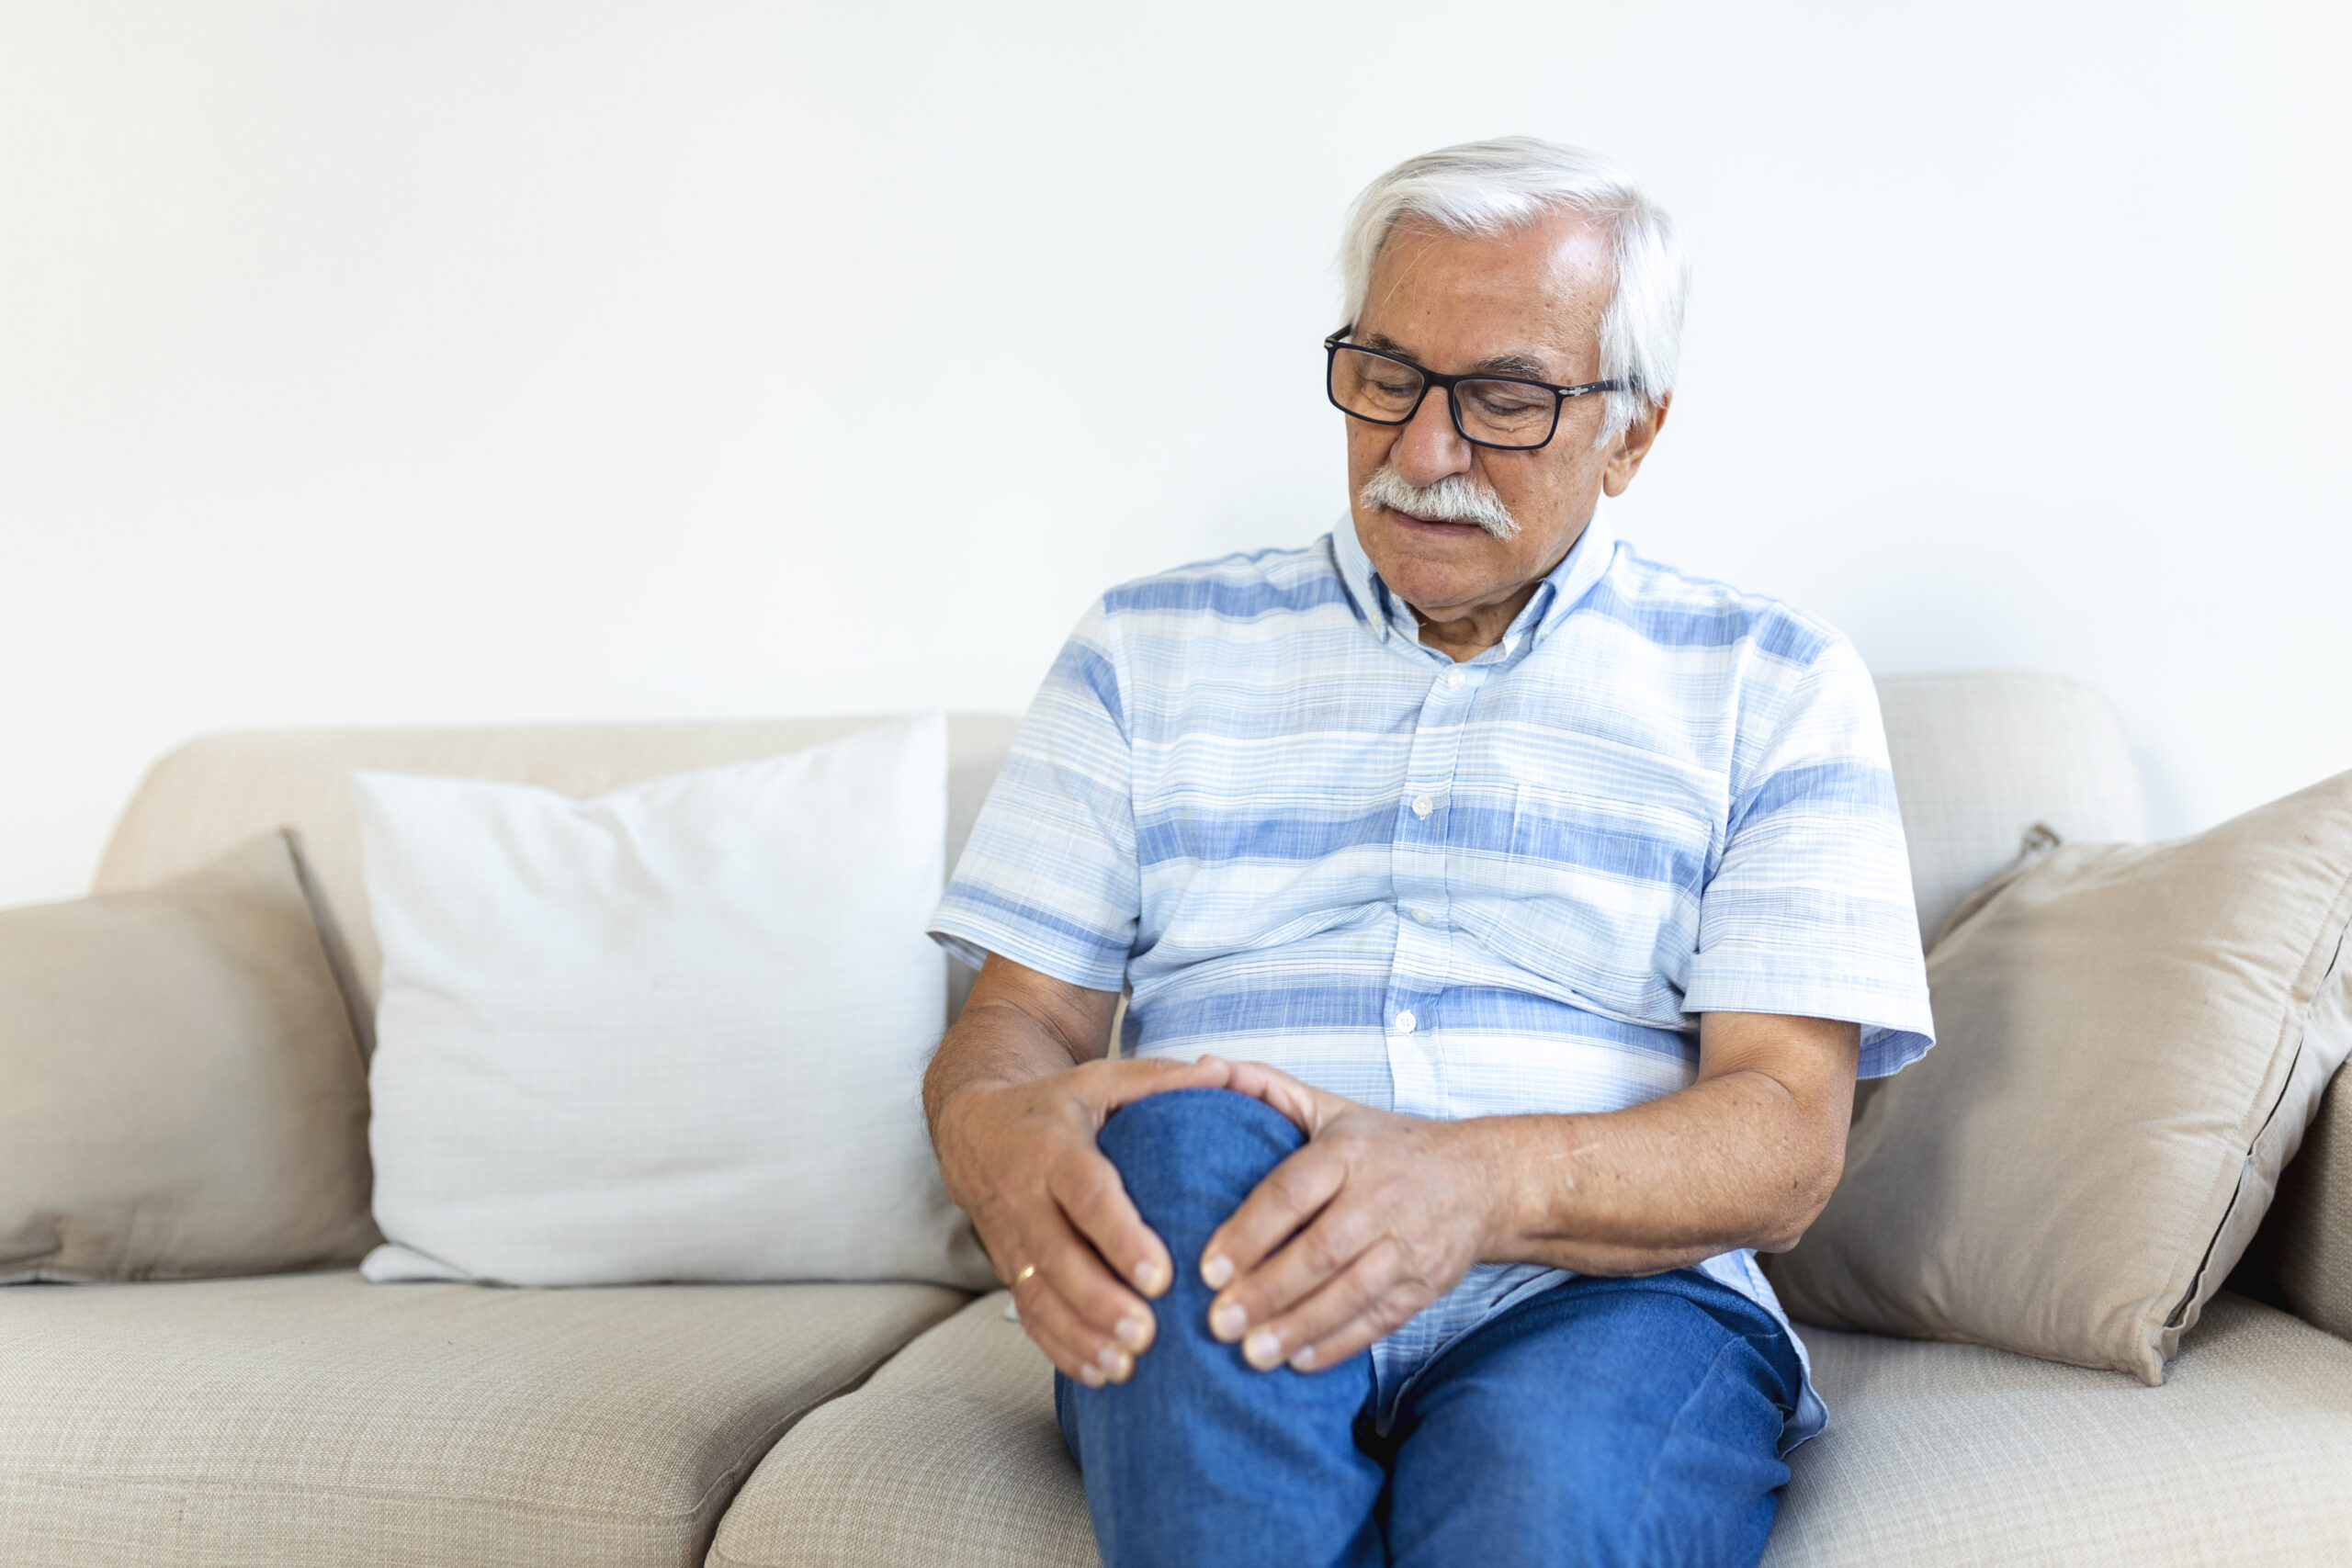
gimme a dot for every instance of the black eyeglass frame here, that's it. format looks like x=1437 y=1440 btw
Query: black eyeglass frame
x=1560 y=395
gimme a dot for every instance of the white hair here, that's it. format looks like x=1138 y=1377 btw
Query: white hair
x=1490 y=187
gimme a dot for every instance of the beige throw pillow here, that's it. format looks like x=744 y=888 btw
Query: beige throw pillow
x=2132 y=1041
x=181 y=1094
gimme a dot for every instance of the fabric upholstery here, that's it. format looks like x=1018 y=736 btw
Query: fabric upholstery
x=1937 y=1456
x=1981 y=757
x=1961 y=1455
x=313 y=1419
x=2314 y=1214
x=948 y=1454
x=218 y=790
x=134 y=1445
x=1978 y=758
x=2133 y=1039
x=181 y=1091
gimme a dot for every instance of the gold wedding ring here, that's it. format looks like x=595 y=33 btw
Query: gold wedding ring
x=1028 y=1272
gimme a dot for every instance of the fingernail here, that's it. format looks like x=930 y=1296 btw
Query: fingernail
x=1218 y=1269
x=1134 y=1333
x=1262 y=1350
x=1150 y=1278
x=1304 y=1361
x=1227 y=1320
x=1090 y=1375
x=1117 y=1365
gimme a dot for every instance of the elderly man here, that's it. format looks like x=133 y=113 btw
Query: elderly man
x=1506 y=918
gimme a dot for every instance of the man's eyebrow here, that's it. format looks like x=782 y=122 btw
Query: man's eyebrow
x=1382 y=342
x=1494 y=365
x=1514 y=365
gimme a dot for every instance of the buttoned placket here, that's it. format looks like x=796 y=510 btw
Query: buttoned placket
x=1423 y=966
x=1424 y=962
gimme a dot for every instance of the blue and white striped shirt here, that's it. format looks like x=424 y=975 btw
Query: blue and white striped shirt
x=1507 y=886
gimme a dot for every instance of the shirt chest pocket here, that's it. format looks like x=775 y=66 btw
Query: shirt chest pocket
x=1598 y=895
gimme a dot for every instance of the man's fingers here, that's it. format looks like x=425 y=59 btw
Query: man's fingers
x=1292 y=1194
x=1369 y=1299
x=1308 y=1261
x=1087 y=1186
x=1045 y=1251
x=1107 y=1308
x=1303 y=1105
x=1072 y=1343
x=1126 y=1081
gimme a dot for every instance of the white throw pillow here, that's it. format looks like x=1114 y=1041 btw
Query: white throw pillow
x=674 y=1032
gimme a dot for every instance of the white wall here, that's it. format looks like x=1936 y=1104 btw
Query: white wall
x=476 y=362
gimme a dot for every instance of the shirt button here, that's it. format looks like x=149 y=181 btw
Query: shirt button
x=1420 y=916
x=1454 y=677
x=1405 y=1021
x=1423 y=806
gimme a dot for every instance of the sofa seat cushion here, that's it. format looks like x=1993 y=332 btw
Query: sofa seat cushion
x=1936 y=1454
x=1961 y=1454
x=313 y=1419
x=948 y=1454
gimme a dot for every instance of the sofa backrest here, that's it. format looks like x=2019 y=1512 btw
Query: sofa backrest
x=1978 y=759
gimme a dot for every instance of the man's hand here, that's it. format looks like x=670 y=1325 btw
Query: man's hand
x=1380 y=1215
x=1020 y=1159
x=1394 y=1210
x=1017 y=1095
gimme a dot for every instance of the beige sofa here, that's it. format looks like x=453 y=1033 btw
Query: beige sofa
x=315 y=1420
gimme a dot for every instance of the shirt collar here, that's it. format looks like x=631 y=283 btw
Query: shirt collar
x=1559 y=592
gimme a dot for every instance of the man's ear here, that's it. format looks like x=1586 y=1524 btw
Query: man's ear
x=1633 y=443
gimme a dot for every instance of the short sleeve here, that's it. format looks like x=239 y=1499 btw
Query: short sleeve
x=1809 y=912
x=1048 y=878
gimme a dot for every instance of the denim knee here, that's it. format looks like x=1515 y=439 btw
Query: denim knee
x=1200 y=1460
x=1190 y=1156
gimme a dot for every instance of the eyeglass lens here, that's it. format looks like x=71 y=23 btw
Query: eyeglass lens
x=1501 y=413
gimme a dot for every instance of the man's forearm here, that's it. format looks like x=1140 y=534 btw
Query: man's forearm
x=1660 y=1186
x=1012 y=1030
x=992 y=1043
x=1744 y=1157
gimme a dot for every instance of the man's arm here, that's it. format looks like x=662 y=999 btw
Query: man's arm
x=1016 y=1095
x=1395 y=1209
x=1746 y=1156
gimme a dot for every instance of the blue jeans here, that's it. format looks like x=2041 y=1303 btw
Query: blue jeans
x=1604 y=1421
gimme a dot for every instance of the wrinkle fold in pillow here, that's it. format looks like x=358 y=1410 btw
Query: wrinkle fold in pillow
x=676 y=1032
x=2132 y=1041
x=181 y=1091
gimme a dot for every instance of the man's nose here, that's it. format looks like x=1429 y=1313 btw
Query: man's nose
x=1429 y=448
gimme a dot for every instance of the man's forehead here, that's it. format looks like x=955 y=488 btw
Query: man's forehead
x=1563 y=245
x=1514 y=302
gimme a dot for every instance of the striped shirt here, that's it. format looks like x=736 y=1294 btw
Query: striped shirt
x=1506 y=886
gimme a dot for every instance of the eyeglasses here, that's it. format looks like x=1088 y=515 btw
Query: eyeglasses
x=1508 y=413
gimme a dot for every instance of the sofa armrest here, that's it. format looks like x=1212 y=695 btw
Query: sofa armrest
x=2311 y=1220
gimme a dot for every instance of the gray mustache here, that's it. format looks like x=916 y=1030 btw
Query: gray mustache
x=1457 y=498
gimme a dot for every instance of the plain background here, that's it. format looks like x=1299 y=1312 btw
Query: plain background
x=433 y=363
